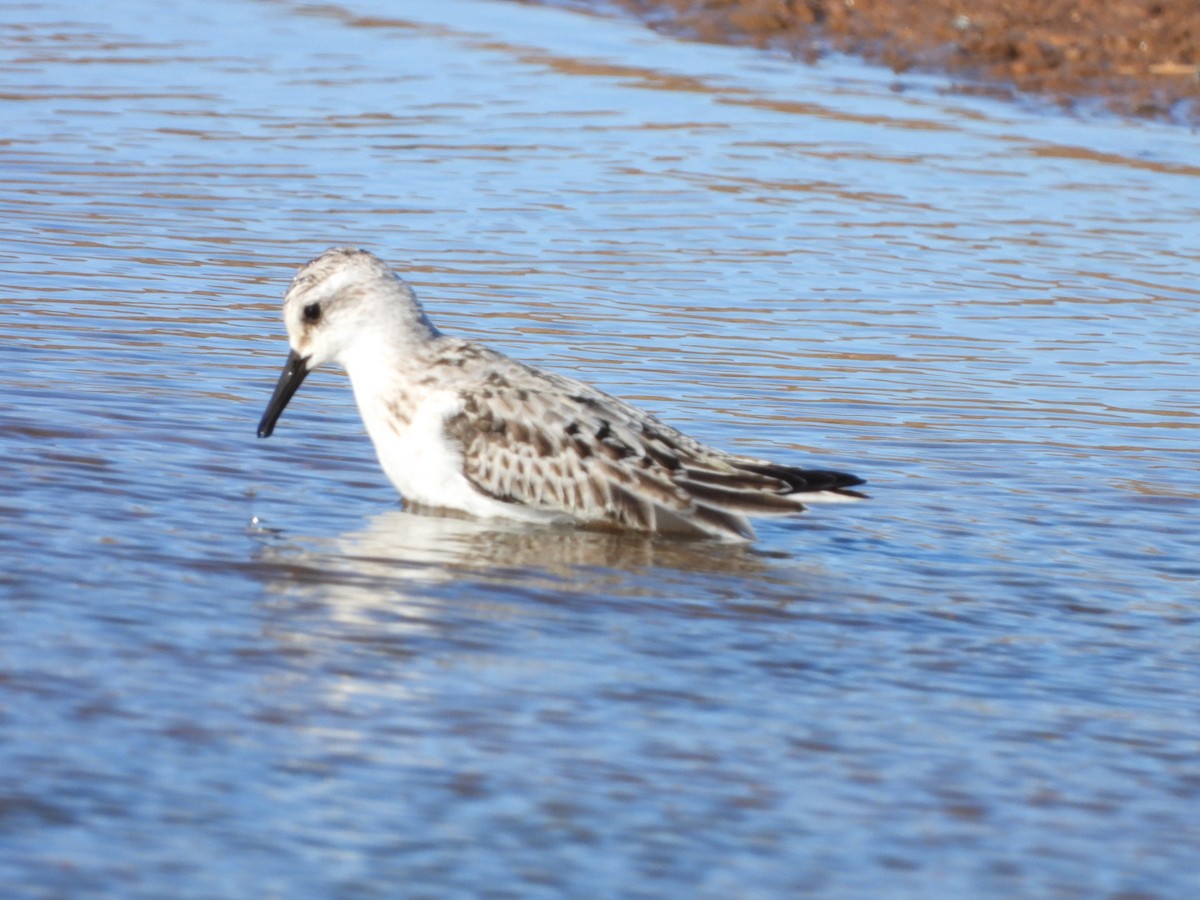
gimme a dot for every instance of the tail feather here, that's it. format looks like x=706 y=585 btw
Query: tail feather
x=751 y=487
x=736 y=499
x=806 y=481
x=733 y=479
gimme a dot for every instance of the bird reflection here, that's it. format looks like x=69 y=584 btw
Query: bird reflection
x=402 y=546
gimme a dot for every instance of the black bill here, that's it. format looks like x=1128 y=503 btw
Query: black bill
x=294 y=372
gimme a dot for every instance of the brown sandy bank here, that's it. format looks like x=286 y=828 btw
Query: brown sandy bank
x=1137 y=57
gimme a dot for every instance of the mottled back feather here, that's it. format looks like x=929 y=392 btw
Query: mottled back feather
x=547 y=441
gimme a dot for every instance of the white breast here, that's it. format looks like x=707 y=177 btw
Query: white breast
x=423 y=464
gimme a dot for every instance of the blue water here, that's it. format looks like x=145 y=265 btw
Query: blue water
x=234 y=668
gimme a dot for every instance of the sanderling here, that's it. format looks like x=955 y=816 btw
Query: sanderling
x=459 y=426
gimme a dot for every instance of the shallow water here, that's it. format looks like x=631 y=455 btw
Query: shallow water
x=233 y=667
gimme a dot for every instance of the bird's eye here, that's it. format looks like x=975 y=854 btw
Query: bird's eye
x=312 y=312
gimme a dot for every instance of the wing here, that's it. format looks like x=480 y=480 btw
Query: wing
x=556 y=444
x=550 y=452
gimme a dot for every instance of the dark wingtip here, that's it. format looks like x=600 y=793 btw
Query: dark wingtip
x=845 y=480
x=834 y=483
x=804 y=481
x=850 y=481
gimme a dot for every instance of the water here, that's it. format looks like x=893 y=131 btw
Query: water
x=235 y=668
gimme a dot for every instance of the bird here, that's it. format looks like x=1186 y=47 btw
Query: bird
x=460 y=426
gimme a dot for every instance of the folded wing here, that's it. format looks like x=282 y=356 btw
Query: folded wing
x=572 y=449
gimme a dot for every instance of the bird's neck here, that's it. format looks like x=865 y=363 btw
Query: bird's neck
x=381 y=364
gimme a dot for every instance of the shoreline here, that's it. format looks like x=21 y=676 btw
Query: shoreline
x=1136 y=58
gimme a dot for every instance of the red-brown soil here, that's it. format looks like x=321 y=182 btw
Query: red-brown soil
x=1138 y=57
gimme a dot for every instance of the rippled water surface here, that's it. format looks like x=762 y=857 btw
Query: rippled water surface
x=239 y=668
